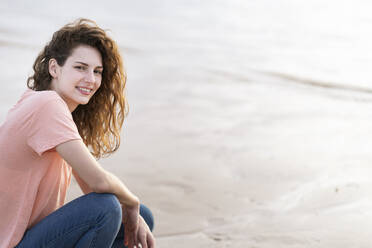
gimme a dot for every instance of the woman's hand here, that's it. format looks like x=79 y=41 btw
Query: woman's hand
x=145 y=237
x=131 y=221
x=136 y=231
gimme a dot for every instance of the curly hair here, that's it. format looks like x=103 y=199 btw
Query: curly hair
x=99 y=122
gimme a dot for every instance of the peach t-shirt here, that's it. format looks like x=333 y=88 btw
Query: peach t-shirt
x=33 y=177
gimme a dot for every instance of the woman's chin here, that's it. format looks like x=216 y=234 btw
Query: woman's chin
x=83 y=101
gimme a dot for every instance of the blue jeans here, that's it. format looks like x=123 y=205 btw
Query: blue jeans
x=92 y=220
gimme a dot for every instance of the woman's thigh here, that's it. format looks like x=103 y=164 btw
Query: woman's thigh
x=92 y=218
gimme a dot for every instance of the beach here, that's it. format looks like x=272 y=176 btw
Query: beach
x=249 y=122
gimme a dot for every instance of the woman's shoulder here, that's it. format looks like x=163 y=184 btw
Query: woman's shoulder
x=41 y=98
x=35 y=101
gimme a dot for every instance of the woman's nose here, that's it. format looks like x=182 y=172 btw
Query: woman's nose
x=90 y=77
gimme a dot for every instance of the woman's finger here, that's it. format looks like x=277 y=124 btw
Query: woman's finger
x=142 y=238
x=130 y=241
x=126 y=239
x=150 y=240
x=135 y=239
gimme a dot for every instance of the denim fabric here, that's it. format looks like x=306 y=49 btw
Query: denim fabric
x=92 y=220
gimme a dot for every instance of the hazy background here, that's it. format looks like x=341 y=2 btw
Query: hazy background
x=249 y=121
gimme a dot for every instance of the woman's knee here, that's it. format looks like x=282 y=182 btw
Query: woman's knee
x=107 y=213
x=106 y=204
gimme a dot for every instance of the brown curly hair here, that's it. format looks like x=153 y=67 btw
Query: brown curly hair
x=99 y=122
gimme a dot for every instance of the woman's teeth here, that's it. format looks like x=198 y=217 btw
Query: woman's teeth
x=85 y=90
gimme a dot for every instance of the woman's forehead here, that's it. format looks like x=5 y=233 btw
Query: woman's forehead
x=86 y=54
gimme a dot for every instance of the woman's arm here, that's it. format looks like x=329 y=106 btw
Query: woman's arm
x=92 y=175
x=83 y=186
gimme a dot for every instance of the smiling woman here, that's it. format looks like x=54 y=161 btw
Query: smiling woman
x=71 y=114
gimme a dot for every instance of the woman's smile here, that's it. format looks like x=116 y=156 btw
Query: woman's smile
x=84 y=91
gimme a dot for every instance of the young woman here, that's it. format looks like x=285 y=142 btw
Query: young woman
x=71 y=114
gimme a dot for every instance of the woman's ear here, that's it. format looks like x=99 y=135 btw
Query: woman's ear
x=53 y=68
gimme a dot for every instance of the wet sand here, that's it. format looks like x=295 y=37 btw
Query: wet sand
x=266 y=163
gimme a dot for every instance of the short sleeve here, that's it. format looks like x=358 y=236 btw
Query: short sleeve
x=51 y=125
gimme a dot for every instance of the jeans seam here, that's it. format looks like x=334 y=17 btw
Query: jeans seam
x=93 y=243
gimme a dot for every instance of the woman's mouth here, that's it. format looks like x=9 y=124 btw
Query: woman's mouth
x=84 y=91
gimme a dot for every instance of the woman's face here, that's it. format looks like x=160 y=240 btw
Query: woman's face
x=79 y=78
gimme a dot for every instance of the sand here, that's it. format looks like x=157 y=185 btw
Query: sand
x=229 y=141
x=276 y=165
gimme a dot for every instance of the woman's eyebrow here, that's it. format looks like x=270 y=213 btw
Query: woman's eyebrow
x=87 y=64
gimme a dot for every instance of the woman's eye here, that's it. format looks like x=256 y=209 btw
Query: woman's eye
x=98 y=72
x=79 y=67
